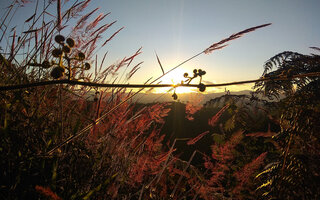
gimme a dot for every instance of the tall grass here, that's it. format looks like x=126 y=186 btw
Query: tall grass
x=60 y=142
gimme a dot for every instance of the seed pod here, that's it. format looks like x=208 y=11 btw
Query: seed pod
x=81 y=56
x=87 y=66
x=202 y=73
x=57 y=72
x=195 y=71
x=175 y=96
x=66 y=49
x=70 y=42
x=185 y=75
x=96 y=96
x=46 y=64
x=202 y=87
x=56 y=53
x=59 y=39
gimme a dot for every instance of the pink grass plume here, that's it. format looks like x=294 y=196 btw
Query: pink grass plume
x=46 y=191
x=213 y=121
x=221 y=44
x=110 y=38
x=196 y=139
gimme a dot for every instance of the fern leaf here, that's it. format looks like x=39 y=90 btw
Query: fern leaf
x=279 y=59
x=269 y=182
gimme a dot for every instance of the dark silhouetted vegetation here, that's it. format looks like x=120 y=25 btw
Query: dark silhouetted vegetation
x=63 y=140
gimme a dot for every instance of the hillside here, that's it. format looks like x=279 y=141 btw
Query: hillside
x=178 y=126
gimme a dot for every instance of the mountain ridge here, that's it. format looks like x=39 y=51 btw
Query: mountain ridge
x=183 y=97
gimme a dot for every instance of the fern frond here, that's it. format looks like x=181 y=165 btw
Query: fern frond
x=287 y=64
x=268 y=169
x=315 y=48
x=279 y=59
x=268 y=183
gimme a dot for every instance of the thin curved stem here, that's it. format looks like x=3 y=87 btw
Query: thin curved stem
x=106 y=85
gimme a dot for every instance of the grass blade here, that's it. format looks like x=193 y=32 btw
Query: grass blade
x=160 y=64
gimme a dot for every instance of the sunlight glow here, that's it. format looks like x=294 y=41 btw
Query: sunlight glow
x=175 y=77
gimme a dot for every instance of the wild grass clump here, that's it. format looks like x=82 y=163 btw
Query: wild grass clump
x=54 y=140
x=69 y=141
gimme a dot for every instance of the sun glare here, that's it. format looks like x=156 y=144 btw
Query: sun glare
x=175 y=77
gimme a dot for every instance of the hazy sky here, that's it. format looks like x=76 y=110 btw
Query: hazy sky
x=178 y=29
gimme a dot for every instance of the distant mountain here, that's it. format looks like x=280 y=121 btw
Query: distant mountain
x=184 y=97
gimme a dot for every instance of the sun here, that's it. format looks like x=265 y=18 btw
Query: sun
x=174 y=77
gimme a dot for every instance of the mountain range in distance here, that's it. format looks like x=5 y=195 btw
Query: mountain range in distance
x=197 y=98
x=183 y=97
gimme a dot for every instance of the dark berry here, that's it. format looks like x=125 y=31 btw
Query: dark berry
x=175 y=96
x=81 y=56
x=66 y=49
x=57 y=72
x=202 y=73
x=70 y=42
x=202 y=87
x=87 y=66
x=56 y=53
x=46 y=64
x=59 y=39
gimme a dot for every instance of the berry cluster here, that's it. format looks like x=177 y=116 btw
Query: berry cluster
x=196 y=73
x=63 y=52
x=65 y=56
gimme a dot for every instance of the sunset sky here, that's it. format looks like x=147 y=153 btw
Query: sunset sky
x=179 y=29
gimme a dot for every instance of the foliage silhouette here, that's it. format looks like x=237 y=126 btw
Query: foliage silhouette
x=60 y=142
x=294 y=173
